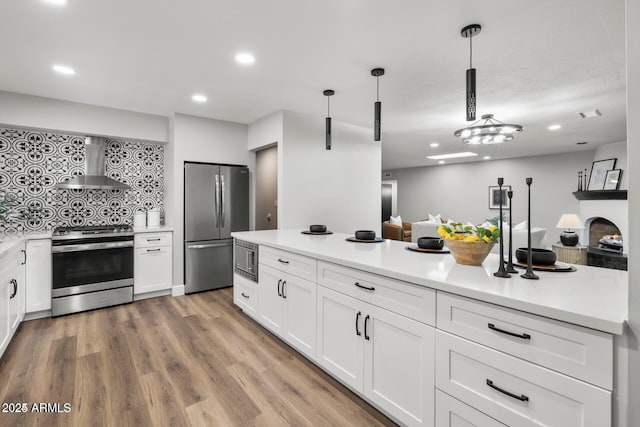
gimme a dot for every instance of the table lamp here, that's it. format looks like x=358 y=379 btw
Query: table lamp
x=570 y=222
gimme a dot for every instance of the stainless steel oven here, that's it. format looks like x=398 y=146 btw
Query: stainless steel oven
x=246 y=259
x=92 y=268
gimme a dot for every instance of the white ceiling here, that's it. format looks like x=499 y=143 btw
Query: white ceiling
x=539 y=62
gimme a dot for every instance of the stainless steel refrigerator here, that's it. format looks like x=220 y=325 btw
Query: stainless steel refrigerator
x=216 y=203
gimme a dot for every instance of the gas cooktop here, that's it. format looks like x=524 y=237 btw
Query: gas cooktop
x=80 y=232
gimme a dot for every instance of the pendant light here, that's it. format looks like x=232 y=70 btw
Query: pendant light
x=468 y=32
x=377 y=109
x=487 y=130
x=327 y=128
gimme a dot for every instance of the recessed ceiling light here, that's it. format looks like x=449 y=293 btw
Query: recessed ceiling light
x=452 y=155
x=486 y=158
x=199 y=98
x=434 y=145
x=590 y=114
x=245 y=58
x=442 y=162
x=554 y=127
x=63 y=69
x=57 y=2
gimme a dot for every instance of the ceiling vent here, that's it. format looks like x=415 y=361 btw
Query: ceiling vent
x=590 y=114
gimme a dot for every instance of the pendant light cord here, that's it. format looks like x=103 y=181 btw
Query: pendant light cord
x=328 y=111
x=470 y=51
x=377 y=88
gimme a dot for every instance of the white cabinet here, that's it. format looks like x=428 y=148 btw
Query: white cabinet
x=38 y=275
x=245 y=295
x=152 y=262
x=451 y=412
x=12 y=293
x=383 y=355
x=287 y=306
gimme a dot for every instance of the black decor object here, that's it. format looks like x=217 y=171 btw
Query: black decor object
x=510 y=268
x=377 y=110
x=584 y=180
x=539 y=256
x=318 y=228
x=569 y=238
x=529 y=274
x=468 y=32
x=501 y=271
x=579 y=180
x=365 y=234
x=327 y=129
x=430 y=243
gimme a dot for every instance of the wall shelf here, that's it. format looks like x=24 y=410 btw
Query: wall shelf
x=601 y=195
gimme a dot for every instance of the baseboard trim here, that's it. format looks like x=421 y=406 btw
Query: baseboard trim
x=177 y=290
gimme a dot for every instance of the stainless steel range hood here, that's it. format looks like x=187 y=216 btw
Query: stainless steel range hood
x=94 y=169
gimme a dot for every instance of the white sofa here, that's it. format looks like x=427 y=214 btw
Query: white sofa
x=538 y=236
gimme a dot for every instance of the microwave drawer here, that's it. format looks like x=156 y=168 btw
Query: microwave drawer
x=514 y=391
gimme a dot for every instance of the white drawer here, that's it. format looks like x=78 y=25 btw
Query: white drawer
x=406 y=299
x=451 y=412
x=516 y=392
x=573 y=350
x=245 y=295
x=143 y=240
x=297 y=265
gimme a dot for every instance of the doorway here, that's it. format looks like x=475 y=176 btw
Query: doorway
x=387 y=201
x=267 y=188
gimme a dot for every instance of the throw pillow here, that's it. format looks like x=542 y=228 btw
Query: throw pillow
x=523 y=226
x=435 y=218
x=396 y=220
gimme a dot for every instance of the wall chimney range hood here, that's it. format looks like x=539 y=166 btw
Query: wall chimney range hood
x=94 y=169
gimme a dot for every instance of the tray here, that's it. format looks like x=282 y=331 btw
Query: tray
x=316 y=233
x=557 y=267
x=353 y=239
x=416 y=248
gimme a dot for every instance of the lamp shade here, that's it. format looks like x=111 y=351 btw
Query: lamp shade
x=570 y=222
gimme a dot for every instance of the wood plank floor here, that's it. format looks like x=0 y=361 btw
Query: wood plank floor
x=194 y=360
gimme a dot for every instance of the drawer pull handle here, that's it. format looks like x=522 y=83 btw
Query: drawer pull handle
x=284 y=261
x=365 y=287
x=366 y=319
x=358 y=333
x=283 y=295
x=154 y=250
x=243 y=294
x=25 y=257
x=521 y=398
x=279 y=283
x=153 y=240
x=502 y=331
x=13 y=283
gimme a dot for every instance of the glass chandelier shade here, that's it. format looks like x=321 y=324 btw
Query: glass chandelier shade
x=487 y=131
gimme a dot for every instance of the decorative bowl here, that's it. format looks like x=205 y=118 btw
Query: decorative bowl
x=317 y=228
x=538 y=256
x=430 y=242
x=469 y=253
x=365 y=234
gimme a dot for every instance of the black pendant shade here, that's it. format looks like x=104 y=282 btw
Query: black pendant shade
x=377 y=109
x=468 y=32
x=327 y=121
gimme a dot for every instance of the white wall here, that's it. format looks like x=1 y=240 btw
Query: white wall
x=338 y=187
x=633 y=151
x=36 y=112
x=201 y=140
x=460 y=191
x=266 y=131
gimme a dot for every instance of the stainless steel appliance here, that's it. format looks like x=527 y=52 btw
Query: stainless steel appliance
x=216 y=203
x=92 y=267
x=246 y=259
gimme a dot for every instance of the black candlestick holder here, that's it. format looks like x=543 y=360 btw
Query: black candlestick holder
x=510 y=268
x=529 y=274
x=501 y=271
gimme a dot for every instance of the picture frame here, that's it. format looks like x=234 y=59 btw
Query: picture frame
x=598 y=175
x=612 y=179
x=496 y=198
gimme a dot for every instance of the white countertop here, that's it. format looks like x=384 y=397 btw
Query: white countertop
x=7 y=242
x=592 y=297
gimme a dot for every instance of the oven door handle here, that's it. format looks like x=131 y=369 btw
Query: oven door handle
x=91 y=247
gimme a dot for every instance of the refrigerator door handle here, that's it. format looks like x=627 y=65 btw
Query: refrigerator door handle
x=217 y=199
x=210 y=245
x=222 y=201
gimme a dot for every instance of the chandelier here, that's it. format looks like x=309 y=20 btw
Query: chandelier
x=487 y=131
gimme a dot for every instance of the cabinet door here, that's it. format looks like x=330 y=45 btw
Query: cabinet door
x=16 y=303
x=6 y=289
x=152 y=269
x=300 y=317
x=340 y=348
x=38 y=280
x=451 y=412
x=399 y=363
x=270 y=302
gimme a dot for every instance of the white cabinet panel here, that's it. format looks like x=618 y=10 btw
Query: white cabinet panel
x=451 y=412
x=573 y=350
x=38 y=275
x=245 y=295
x=270 y=301
x=144 y=240
x=514 y=391
x=288 y=262
x=300 y=318
x=152 y=262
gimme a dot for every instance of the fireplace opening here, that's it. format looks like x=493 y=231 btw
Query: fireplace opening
x=605 y=245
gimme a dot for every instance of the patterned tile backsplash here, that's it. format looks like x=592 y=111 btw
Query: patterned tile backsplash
x=32 y=162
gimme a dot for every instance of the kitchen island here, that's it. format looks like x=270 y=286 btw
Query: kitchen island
x=426 y=340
